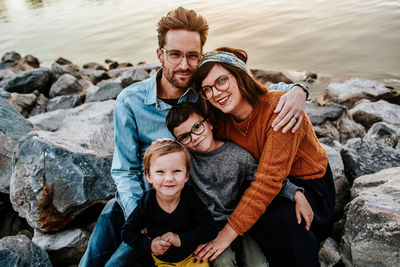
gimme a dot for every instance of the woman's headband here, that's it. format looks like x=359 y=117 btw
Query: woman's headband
x=224 y=57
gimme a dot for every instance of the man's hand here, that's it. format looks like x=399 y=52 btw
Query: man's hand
x=158 y=246
x=291 y=108
x=304 y=209
x=172 y=238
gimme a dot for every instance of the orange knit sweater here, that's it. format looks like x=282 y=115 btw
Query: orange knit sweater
x=299 y=155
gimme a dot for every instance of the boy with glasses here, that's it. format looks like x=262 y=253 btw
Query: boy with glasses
x=220 y=173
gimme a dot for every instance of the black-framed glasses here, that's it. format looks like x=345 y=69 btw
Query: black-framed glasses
x=197 y=129
x=175 y=56
x=221 y=84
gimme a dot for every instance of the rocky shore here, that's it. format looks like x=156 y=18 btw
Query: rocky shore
x=56 y=146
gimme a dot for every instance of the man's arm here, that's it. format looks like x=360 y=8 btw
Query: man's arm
x=290 y=107
x=126 y=164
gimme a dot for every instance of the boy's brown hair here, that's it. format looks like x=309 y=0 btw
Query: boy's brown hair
x=182 y=19
x=180 y=113
x=163 y=147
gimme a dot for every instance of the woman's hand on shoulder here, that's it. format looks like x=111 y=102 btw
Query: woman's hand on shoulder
x=291 y=107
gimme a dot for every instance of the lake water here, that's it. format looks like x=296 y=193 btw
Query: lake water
x=342 y=38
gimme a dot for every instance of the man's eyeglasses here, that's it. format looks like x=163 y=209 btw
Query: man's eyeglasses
x=197 y=129
x=175 y=57
x=221 y=84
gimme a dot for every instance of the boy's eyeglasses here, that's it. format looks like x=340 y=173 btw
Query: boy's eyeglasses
x=197 y=129
x=221 y=84
x=175 y=57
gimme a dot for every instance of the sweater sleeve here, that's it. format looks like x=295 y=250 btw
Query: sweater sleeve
x=289 y=189
x=274 y=166
x=130 y=233
x=204 y=229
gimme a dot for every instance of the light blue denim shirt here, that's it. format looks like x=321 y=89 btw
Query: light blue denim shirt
x=139 y=119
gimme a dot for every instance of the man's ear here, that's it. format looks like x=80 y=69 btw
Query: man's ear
x=159 y=55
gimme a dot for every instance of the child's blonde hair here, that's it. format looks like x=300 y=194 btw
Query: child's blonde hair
x=163 y=147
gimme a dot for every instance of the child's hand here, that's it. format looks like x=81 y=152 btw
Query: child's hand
x=158 y=246
x=303 y=208
x=172 y=238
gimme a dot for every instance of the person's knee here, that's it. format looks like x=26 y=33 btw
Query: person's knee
x=226 y=259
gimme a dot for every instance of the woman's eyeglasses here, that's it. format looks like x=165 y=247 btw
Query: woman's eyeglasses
x=221 y=84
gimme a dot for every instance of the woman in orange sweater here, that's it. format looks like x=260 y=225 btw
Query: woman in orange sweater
x=242 y=110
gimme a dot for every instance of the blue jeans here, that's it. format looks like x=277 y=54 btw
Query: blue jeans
x=105 y=248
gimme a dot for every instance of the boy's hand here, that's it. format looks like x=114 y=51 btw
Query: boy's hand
x=158 y=246
x=172 y=238
x=304 y=209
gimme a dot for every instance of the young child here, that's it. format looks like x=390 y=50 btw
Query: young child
x=220 y=173
x=175 y=219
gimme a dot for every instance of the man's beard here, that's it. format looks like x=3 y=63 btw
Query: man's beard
x=170 y=76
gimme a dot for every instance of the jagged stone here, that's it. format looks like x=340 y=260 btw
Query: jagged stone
x=361 y=158
x=28 y=81
x=327 y=129
x=23 y=103
x=329 y=253
x=349 y=129
x=63 y=102
x=341 y=184
x=89 y=125
x=10 y=57
x=58 y=70
x=270 y=76
x=32 y=61
x=54 y=180
x=64 y=247
x=12 y=127
x=319 y=114
x=41 y=105
x=349 y=91
x=384 y=133
x=106 y=92
x=131 y=76
x=95 y=76
x=367 y=113
x=331 y=143
x=17 y=251
x=65 y=85
x=94 y=66
x=372 y=228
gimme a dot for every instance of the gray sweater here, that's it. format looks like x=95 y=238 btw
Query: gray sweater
x=220 y=178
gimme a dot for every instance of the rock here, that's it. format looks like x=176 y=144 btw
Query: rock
x=331 y=143
x=65 y=85
x=91 y=90
x=64 y=247
x=54 y=180
x=114 y=64
x=384 y=133
x=114 y=73
x=63 y=102
x=327 y=129
x=10 y=57
x=28 y=81
x=349 y=91
x=341 y=184
x=19 y=251
x=131 y=76
x=319 y=114
x=41 y=105
x=361 y=158
x=349 y=129
x=63 y=61
x=58 y=70
x=23 y=103
x=6 y=74
x=106 y=92
x=12 y=127
x=270 y=76
x=95 y=76
x=89 y=125
x=367 y=113
x=94 y=66
x=32 y=61
x=10 y=223
x=372 y=228
x=329 y=253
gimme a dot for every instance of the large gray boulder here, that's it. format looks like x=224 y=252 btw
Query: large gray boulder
x=65 y=85
x=361 y=158
x=105 y=92
x=367 y=113
x=54 y=180
x=319 y=114
x=64 y=247
x=23 y=103
x=349 y=91
x=349 y=129
x=341 y=184
x=372 y=229
x=384 y=133
x=58 y=70
x=95 y=76
x=327 y=130
x=90 y=125
x=20 y=251
x=12 y=127
x=329 y=253
x=63 y=102
x=28 y=81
